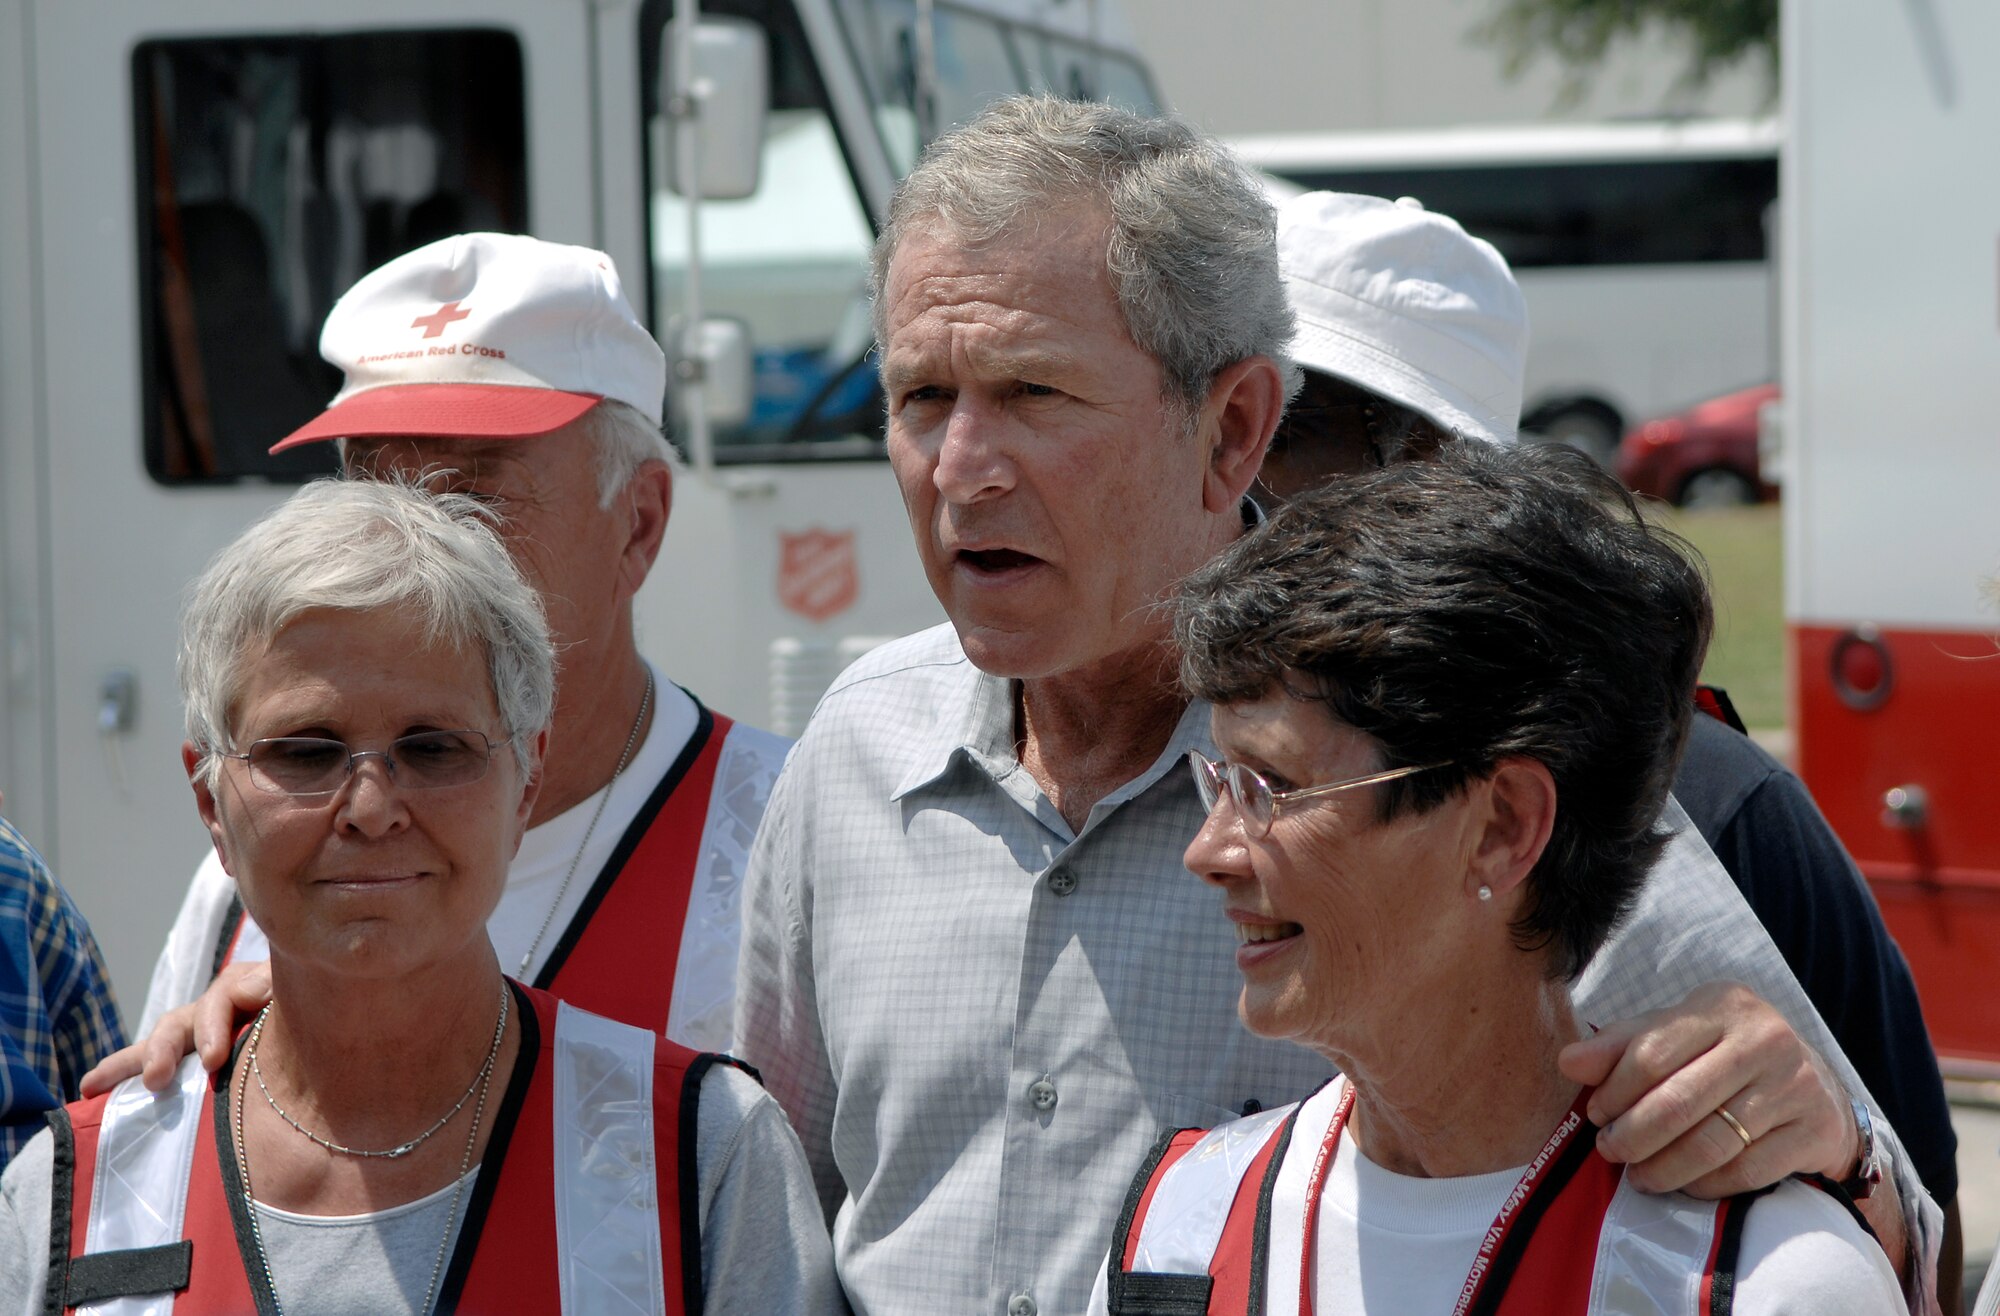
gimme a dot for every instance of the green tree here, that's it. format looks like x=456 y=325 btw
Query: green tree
x=1718 y=33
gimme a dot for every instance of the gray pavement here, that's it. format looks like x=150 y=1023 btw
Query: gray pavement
x=1975 y=1116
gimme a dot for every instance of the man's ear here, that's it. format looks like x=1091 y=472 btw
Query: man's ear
x=648 y=499
x=204 y=802
x=531 y=790
x=1518 y=816
x=1242 y=411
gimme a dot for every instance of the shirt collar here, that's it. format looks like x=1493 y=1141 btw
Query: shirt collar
x=982 y=734
x=982 y=730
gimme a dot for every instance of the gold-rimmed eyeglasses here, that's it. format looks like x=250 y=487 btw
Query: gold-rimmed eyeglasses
x=305 y=766
x=1256 y=803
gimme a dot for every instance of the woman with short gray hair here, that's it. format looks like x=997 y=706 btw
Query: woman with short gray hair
x=368 y=682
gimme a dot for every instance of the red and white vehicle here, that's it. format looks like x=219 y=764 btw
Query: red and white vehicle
x=1891 y=471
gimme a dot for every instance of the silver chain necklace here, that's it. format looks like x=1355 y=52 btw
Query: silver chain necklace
x=631 y=740
x=263 y=1256
x=401 y=1150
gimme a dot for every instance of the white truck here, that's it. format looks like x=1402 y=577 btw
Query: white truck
x=1890 y=463
x=184 y=190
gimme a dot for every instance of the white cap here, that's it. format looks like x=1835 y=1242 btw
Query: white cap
x=485 y=335
x=1406 y=304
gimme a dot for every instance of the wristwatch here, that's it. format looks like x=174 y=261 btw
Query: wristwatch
x=1868 y=1170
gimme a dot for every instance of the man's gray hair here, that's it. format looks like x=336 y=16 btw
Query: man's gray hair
x=366 y=546
x=1193 y=254
x=625 y=440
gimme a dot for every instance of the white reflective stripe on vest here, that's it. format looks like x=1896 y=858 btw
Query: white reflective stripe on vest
x=1652 y=1253
x=607 y=1189
x=251 y=943
x=1184 y=1223
x=699 y=1016
x=138 y=1192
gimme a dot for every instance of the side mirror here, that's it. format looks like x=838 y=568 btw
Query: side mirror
x=715 y=82
x=720 y=363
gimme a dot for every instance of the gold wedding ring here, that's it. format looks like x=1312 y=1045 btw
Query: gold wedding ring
x=1735 y=1124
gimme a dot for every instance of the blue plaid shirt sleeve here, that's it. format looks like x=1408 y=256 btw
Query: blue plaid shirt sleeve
x=57 y=1013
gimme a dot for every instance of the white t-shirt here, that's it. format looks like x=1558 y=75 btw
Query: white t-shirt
x=533 y=879
x=1395 y=1243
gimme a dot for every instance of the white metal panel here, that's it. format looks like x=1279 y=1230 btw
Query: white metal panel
x=122 y=548
x=1892 y=242
x=712 y=607
x=24 y=658
x=1648 y=339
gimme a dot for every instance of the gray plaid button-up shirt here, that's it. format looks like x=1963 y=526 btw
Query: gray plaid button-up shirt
x=979 y=1020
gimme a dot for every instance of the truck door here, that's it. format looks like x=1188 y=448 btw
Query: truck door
x=209 y=177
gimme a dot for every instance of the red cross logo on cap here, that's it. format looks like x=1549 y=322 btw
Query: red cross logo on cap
x=434 y=323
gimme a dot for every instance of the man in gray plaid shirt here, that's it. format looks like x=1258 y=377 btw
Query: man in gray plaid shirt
x=974 y=970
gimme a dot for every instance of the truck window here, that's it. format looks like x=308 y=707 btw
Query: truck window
x=1639 y=212
x=274 y=172
x=790 y=262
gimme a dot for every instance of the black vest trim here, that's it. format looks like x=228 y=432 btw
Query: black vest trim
x=1260 y=1232
x=1722 y=1283
x=232 y=923
x=130 y=1272
x=693 y=1290
x=232 y=1187
x=704 y=727
x=1116 y=1276
x=488 y=1182
x=62 y=1211
x=1508 y=1259
x=1146 y=1294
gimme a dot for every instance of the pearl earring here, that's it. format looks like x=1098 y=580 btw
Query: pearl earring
x=1485 y=892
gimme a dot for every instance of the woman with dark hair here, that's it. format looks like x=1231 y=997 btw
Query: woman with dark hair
x=1449 y=698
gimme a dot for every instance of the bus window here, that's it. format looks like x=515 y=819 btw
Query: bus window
x=790 y=262
x=274 y=172
x=1640 y=212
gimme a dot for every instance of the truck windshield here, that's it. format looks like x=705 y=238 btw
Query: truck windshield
x=976 y=56
x=791 y=261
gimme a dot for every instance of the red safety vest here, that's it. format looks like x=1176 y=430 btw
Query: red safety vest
x=508 y=1256
x=1219 y=1262
x=619 y=955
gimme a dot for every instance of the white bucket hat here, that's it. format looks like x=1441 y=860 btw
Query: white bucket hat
x=1406 y=304
x=484 y=335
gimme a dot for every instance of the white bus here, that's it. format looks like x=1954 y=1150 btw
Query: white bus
x=1641 y=249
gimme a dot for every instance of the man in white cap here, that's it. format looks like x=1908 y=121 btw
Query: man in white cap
x=515 y=370
x=1413 y=334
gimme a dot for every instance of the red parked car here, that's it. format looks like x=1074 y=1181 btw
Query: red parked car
x=1705 y=456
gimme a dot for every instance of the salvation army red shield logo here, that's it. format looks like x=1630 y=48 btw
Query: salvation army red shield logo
x=817 y=574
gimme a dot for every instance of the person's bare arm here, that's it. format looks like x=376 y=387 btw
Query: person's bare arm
x=206 y=1024
x=1662 y=1076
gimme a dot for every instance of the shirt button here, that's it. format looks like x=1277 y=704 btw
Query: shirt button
x=1061 y=881
x=1021 y=1305
x=1043 y=1094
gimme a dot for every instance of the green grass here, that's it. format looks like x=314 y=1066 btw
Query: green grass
x=1744 y=548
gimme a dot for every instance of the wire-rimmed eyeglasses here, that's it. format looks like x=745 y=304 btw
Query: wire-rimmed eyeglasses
x=1256 y=803
x=305 y=766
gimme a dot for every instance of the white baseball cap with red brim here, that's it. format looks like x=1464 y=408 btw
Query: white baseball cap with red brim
x=484 y=335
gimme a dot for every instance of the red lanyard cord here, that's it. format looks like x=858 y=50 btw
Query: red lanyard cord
x=1531 y=1179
